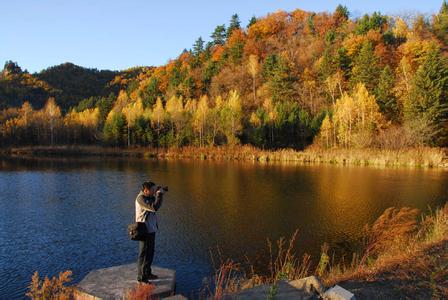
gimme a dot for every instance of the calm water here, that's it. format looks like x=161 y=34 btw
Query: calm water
x=72 y=214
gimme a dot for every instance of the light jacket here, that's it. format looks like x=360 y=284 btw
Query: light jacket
x=145 y=210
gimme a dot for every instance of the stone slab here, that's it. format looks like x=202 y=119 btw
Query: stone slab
x=338 y=293
x=115 y=282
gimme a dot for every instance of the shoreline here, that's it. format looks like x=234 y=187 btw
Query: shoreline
x=423 y=157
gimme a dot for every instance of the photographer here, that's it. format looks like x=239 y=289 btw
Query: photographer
x=148 y=201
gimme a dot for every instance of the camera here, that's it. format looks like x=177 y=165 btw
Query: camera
x=162 y=189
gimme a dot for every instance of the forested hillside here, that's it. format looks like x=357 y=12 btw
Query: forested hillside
x=288 y=79
x=67 y=82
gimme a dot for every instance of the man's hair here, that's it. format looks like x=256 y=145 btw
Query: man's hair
x=148 y=185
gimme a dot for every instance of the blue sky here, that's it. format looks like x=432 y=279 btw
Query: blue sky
x=111 y=34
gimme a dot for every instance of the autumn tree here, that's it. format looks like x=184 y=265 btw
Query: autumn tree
x=232 y=118
x=356 y=118
x=215 y=117
x=200 y=119
x=158 y=117
x=132 y=111
x=253 y=68
x=176 y=115
x=52 y=114
x=25 y=122
x=327 y=132
x=270 y=117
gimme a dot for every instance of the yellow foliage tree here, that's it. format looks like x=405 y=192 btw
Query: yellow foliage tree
x=132 y=111
x=52 y=114
x=175 y=112
x=326 y=131
x=357 y=118
x=232 y=114
x=200 y=118
x=253 y=68
x=158 y=115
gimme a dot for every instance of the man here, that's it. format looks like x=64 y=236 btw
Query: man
x=148 y=201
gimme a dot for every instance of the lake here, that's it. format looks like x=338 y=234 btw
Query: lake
x=59 y=214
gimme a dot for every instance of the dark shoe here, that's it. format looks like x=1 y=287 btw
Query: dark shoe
x=152 y=277
x=143 y=281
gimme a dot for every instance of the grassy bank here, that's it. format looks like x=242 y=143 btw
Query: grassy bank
x=410 y=157
x=403 y=255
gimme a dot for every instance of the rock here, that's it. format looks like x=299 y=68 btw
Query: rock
x=338 y=293
x=309 y=284
x=175 y=297
x=115 y=282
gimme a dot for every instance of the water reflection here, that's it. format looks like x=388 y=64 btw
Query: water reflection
x=75 y=211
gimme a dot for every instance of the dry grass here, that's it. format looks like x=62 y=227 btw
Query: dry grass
x=231 y=277
x=226 y=279
x=409 y=157
x=284 y=265
x=398 y=255
x=53 y=288
x=392 y=229
x=391 y=246
x=424 y=156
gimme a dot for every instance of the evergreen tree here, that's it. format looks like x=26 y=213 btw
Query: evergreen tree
x=269 y=66
x=105 y=105
x=327 y=66
x=234 y=24
x=151 y=92
x=428 y=100
x=114 y=129
x=198 y=47
x=341 y=14
x=385 y=94
x=279 y=78
x=343 y=61
x=219 y=35
x=143 y=133
x=440 y=24
x=252 y=21
x=365 y=68
x=376 y=22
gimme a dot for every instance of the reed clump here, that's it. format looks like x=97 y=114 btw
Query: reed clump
x=395 y=239
x=54 y=288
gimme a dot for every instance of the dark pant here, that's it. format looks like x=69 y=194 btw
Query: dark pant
x=145 y=256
